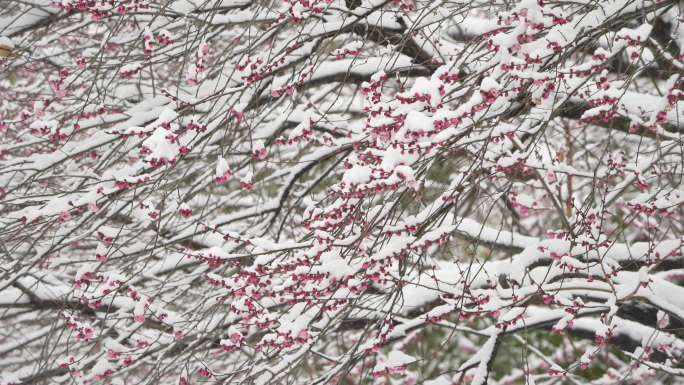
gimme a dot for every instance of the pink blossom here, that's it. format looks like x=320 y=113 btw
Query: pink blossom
x=260 y=153
x=64 y=216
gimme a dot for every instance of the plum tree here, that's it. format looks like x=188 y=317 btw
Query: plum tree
x=341 y=192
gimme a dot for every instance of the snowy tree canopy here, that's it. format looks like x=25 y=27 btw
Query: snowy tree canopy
x=341 y=192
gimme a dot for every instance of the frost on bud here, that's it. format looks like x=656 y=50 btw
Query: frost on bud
x=185 y=211
x=234 y=341
x=303 y=335
x=585 y=360
x=101 y=253
x=663 y=319
x=644 y=278
x=129 y=70
x=223 y=172
x=564 y=323
x=164 y=37
x=148 y=39
x=139 y=312
x=114 y=349
x=259 y=151
x=196 y=71
x=489 y=90
x=102 y=370
x=602 y=335
x=162 y=147
x=246 y=182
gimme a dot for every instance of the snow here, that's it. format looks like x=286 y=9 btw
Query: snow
x=344 y=68
x=48 y=124
x=133 y=67
x=334 y=265
x=221 y=166
x=379 y=199
x=481 y=361
x=395 y=359
x=6 y=42
x=441 y=380
x=12 y=24
x=640 y=33
x=472 y=26
x=160 y=146
x=187 y=6
x=358 y=174
x=489 y=84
